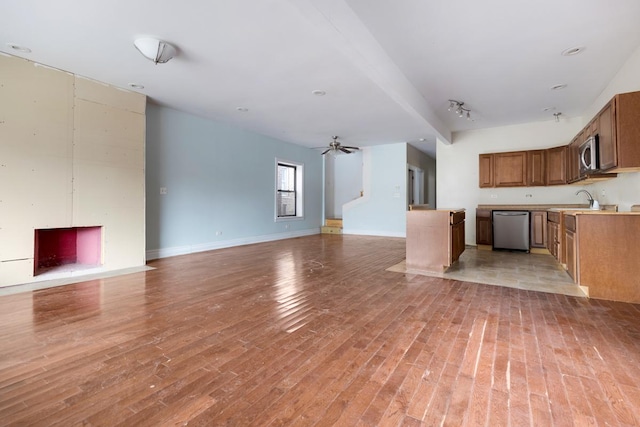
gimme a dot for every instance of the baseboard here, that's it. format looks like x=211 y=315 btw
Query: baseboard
x=374 y=233
x=203 y=247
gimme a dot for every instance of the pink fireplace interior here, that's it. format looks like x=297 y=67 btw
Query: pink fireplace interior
x=67 y=249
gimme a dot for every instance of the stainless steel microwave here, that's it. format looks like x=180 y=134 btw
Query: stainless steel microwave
x=589 y=160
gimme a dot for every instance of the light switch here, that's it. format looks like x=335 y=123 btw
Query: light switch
x=163 y=190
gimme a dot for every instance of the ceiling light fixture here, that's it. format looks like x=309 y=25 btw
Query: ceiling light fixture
x=557 y=116
x=558 y=87
x=319 y=92
x=19 y=48
x=242 y=109
x=155 y=50
x=572 y=51
x=459 y=109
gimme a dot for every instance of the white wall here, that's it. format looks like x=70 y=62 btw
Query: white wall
x=624 y=190
x=457 y=172
x=382 y=209
x=343 y=175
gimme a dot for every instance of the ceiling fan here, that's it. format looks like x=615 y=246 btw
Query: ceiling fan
x=335 y=147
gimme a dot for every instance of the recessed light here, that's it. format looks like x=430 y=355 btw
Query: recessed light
x=548 y=108
x=572 y=51
x=242 y=109
x=319 y=92
x=558 y=87
x=422 y=140
x=136 y=86
x=19 y=48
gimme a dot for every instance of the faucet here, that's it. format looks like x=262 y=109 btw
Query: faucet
x=591 y=201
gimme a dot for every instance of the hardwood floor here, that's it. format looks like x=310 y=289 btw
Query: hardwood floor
x=313 y=331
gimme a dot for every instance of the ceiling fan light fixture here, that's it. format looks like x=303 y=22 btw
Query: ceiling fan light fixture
x=157 y=51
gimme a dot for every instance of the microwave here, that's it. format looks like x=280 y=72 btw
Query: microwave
x=589 y=159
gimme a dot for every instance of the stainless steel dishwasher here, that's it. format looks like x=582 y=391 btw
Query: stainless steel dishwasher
x=511 y=230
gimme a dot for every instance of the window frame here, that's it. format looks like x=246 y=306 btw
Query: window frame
x=298 y=190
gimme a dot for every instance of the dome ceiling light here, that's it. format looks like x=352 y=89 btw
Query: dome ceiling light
x=155 y=50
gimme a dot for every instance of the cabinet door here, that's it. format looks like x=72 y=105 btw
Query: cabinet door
x=485 y=176
x=539 y=229
x=536 y=162
x=557 y=166
x=607 y=149
x=554 y=242
x=510 y=169
x=483 y=227
x=571 y=255
x=457 y=240
x=573 y=159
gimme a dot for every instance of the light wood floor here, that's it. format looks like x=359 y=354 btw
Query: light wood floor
x=313 y=331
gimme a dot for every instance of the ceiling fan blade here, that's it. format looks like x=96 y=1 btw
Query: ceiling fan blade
x=326 y=151
x=344 y=150
x=350 y=148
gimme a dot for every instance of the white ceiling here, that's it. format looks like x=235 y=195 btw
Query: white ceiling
x=388 y=67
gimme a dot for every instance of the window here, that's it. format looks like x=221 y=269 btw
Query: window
x=288 y=190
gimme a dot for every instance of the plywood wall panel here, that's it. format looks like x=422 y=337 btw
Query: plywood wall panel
x=107 y=135
x=101 y=93
x=71 y=154
x=36 y=128
x=16 y=272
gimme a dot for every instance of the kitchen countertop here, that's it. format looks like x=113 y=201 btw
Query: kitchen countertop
x=539 y=207
x=567 y=208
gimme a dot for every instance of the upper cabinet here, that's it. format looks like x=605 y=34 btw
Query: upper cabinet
x=617 y=127
x=486 y=170
x=557 y=166
x=510 y=169
x=619 y=133
x=536 y=167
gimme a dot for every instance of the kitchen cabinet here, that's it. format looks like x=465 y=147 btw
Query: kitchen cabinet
x=608 y=254
x=618 y=130
x=484 y=232
x=538 y=229
x=485 y=175
x=536 y=172
x=457 y=235
x=554 y=236
x=606 y=137
x=510 y=169
x=570 y=245
x=573 y=159
x=557 y=166
x=435 y=238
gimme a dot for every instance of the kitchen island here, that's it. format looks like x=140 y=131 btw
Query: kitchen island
x=435 y=238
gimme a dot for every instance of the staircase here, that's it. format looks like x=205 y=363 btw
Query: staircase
x=332 y=226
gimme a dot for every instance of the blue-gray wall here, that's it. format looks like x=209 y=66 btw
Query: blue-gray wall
x=219 y=179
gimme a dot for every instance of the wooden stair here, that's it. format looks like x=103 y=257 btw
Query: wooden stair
x=332 y=226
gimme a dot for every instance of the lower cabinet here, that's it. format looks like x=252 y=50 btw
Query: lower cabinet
x=484 y=232
x=539 y=229
x=570 y=245
x=554 y=237
x=457 y=235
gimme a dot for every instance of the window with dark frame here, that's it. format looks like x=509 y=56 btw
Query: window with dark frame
x=286 y=192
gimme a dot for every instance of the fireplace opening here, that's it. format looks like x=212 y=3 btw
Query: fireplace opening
x=67 y=249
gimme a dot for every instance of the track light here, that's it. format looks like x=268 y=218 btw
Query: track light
x=557 y=116
x=458 y=108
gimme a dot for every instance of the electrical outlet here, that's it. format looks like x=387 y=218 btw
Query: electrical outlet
x=602 y=193
x=494 y=196
x=163 y=190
